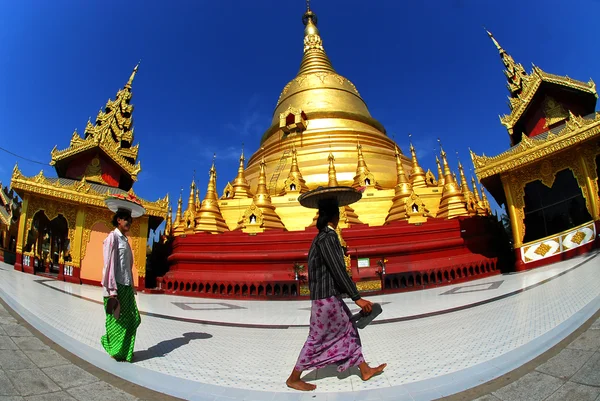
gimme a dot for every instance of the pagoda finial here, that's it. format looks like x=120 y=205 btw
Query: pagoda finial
x=135 y=70
x=515 y=73
x=331 y=172
x=440 y=172
x=315 y=59
x=475 y=190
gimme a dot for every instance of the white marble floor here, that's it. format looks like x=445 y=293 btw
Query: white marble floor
x=436 y=342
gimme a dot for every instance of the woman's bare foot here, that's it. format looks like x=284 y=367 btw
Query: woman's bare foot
x=367 y=372
x=296 y=383
x=300 y=385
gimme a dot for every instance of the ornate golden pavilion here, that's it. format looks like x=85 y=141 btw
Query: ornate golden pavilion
x=64 y=220
x=323 y=134
x=548 y=179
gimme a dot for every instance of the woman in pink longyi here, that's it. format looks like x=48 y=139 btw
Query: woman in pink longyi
x=333 y=338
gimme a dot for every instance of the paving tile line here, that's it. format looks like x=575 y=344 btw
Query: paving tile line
x=586 y=259
x=439 y=386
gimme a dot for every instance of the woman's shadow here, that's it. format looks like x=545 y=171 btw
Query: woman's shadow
x=164 y=347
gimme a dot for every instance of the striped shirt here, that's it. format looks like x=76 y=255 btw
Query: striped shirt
x=327 y=274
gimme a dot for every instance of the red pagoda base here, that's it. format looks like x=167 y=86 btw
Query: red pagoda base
x=241 y=266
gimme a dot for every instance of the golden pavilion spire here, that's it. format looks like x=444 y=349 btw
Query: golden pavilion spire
x=130 y=81
x=515 y=73
x=331 y=173
x=403 y=190
x=440 y=172
x=111 y=132
x=484 y=200
x=363 y=177
x=470 y=201
x=209 y=218
x=260 y=215
x=240 y=187
x=452 y=203
x=294 y=182
x=418 y=178
x=315 y=59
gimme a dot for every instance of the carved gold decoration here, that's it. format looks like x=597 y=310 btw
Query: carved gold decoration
x=553 y=111
x=93 y=216
x=543 y=249
x=578 y=238
x=252 y=220
x=531 y=150
x=93 y=172
x=77 y=193
x=365 y=286
x=546 y=173
x=52 y=210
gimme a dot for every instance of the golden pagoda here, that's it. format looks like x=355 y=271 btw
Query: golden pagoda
x=65 y=219
x=321 y=112
x=548 y=179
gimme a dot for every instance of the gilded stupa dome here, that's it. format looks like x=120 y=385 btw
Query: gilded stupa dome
x=318 y=87
x=320 y=111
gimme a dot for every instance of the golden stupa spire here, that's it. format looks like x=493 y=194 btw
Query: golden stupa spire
x=294 y=182
x=515 y=73
x=363 y=177
x=240 y=186
x=440 y=172
x=169 y=222
x=418 y=178
x=261 y=211
x=452 y=203
x=331 y=173
x=475 y=190
x=209 y=217
x=178 y=215
x=403 y=189
x=470 y=201
x=189 y=216
x=484 y=200
x=315 y=59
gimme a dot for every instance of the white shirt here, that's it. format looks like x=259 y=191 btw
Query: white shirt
x=123 y=274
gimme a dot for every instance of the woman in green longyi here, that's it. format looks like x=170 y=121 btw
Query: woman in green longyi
x=117 y=282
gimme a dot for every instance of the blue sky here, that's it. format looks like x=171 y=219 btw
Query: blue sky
x=212 y=71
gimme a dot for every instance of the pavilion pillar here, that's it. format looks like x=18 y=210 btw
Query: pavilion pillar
x=141 y=257
x=21 y=234
x=591 y=187
x=514 y=213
